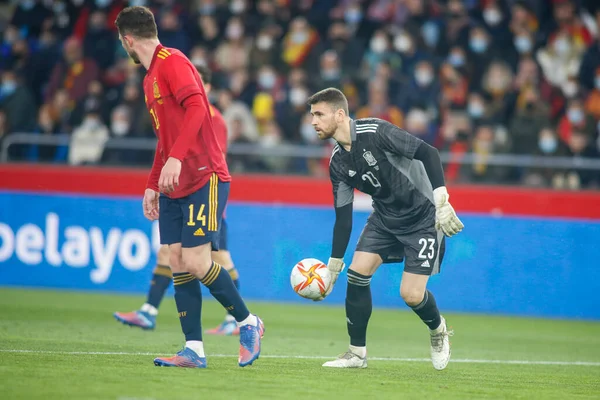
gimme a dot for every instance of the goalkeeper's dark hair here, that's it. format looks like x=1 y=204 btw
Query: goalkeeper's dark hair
x=137 y=21
x=332 y=96
x=205 y=73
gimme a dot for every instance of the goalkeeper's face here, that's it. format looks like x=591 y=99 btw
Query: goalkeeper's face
x=125 y=42
x=324 y=120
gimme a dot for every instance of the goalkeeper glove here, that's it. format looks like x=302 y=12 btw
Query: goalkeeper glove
x=445 y=216
x=335 y=266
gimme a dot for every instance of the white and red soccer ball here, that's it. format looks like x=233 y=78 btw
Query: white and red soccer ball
x=310 y=278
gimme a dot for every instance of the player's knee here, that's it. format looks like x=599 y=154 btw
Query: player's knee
x=412 y=296
x=162 y=258
x=196 y=265
x=174 y=257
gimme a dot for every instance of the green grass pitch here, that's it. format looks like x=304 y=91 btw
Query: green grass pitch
x=66 y=345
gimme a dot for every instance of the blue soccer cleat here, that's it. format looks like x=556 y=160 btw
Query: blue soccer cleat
x=140 y=319
x=186 y=358
x=250 y=338
x=226 y=328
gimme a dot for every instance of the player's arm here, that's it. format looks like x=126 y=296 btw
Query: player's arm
x=180 y=77
x=400 y=142
x=343 y=198
x=157 y=165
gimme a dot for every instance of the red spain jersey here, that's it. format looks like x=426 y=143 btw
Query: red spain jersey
x=182 y=121
x=220 y=127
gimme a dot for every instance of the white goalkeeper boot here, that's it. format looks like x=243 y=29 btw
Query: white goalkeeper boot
x=348 y=360
x=440 y=346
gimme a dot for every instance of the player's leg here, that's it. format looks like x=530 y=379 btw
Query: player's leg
x=223 y=257
x=202 y=228
x=424 y=255
x=162 y=276
x=188 y=297
x=373 y=247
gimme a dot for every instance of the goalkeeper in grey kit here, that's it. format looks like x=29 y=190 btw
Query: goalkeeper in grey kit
x=411 y=218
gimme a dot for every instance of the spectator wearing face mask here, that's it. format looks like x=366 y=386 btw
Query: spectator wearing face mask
x=482 y=51
x=495 y=17
x=560 y=60
x=88 y=140
x=299 y=42
x=530 y=116
x=422 y=90
x=404 y=43
x=291 y=112
x=549 y=145
x=120 y=127
x=379 y=51
x=265 y=50
x=17 y=102
x=575 y=119
x=270 y=138
x=477 y=107
x=457 y=58
x=234 y=52
x=524 y=43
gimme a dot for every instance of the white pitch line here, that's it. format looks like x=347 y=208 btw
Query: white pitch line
x=279 y=356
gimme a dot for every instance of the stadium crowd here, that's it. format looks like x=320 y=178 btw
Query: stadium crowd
x=481 y=76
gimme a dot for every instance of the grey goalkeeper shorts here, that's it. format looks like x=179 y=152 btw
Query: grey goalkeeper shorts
x=422 y=249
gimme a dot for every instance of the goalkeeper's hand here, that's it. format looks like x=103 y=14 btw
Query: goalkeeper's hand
x=445 y=216
x=335 y=266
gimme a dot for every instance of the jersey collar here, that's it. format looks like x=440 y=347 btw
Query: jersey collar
x=158 y=48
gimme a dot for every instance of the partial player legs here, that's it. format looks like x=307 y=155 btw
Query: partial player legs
x=162 y=276
x=229 y=325
x=359 y=306
x=188 y=299
x=218 y=281
x=413 y=291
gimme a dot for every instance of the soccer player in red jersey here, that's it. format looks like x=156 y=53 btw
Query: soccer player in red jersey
x=187 y=188
x=162 y=276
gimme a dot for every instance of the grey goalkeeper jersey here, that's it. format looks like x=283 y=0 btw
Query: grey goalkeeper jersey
x=380 y=163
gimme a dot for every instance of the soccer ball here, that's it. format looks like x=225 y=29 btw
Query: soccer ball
x=310 y=278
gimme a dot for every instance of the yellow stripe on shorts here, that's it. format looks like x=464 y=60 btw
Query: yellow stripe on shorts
x=213 y=201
